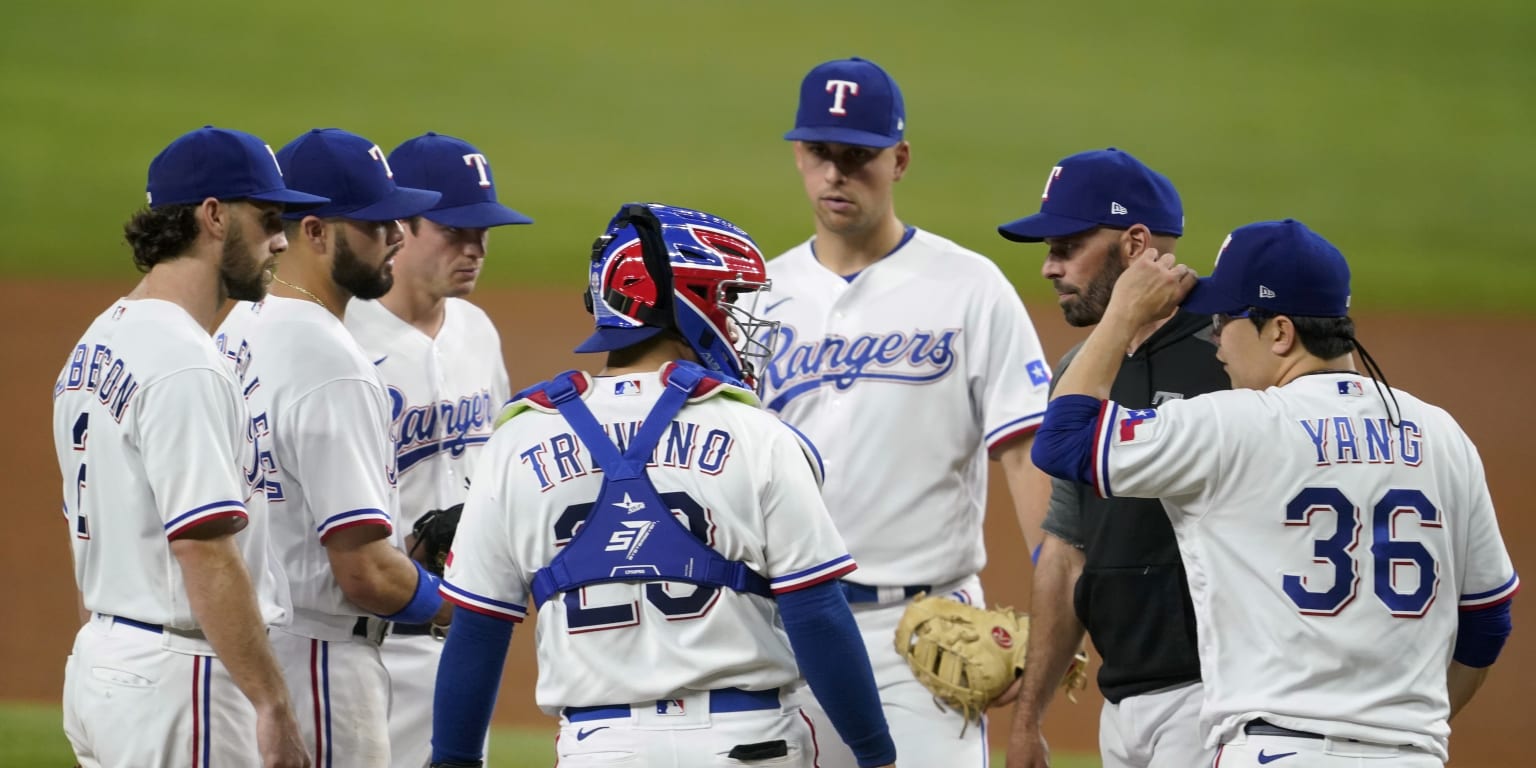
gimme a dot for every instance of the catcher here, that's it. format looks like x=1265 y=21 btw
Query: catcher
x=969 y=657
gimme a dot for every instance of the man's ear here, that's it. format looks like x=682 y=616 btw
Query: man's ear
x=1135 y=240
x=1283 y=337
x=903 y=159
x=213 y=216
x=315 y=233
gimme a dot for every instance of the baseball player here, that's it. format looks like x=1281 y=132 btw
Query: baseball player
x=162 y=483
x=669 y=531
x=323 y=418
x=1109 y=564
x=1349 y=581
x=440 y=359
x=908 y=360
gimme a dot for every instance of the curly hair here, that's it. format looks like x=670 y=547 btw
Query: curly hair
x=160 y=234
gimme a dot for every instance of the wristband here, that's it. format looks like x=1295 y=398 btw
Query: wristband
x=424 y=602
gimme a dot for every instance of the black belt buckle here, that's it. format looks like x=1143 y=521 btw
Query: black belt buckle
x=763 y=750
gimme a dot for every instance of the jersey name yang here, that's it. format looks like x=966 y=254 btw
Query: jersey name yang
x=153 y=439
x=733 y=474
x=905 y=377
x=1327 y=561
x=444 y=394
x=323 y=418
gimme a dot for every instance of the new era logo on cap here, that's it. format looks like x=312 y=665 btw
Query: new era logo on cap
x=1101 y=188
x=1265 y=292
x=850 y=101
x=461 y=173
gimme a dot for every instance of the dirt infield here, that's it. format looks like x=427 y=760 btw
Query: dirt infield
x=1470 y=366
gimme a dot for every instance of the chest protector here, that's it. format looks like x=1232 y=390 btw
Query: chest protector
x=631 y=535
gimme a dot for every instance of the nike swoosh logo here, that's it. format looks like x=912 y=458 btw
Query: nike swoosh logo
x=1267 y=759
x=771 y=307
x=380 y=360
x=583 y=733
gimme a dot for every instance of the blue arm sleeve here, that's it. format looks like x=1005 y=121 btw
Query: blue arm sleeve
x=1064 y=445
x=1480 y=635
x=467 y=680
x=833 y=660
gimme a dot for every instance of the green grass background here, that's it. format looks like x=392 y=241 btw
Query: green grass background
x=30 y=735
x=1398 y=128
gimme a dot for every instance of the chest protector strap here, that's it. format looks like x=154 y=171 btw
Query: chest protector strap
x=631 y=535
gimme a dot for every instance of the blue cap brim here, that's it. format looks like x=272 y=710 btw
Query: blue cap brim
x=477 y=216
x=292 y=199
x=1207 y=298
x=1034 y=229
x=403 y=203
x=609 y=339
x=837 y=135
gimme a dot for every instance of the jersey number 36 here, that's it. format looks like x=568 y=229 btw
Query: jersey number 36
x=1387 y=553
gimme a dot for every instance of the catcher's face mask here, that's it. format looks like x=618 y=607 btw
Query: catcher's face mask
x=715 y=273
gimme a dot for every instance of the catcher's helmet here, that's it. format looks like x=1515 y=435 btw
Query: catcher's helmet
x=714 y=271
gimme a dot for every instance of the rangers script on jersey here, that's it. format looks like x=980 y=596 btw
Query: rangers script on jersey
x=444 y=394
x=904 y=377
x=735 y=475
x=1366 y=537
x=153 y=439
x=322 y=417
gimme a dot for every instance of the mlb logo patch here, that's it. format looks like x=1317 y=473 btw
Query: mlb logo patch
x=673 y=707
x=626 y=387
x=1136 y=426
x=1351 y=388
x=1038 y=375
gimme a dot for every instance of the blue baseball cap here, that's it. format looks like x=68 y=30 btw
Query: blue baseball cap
x=1277 y=266
x=1100 y=188
x=223 y=164
x=353 y=172
x=461 y=173
x=850 y=101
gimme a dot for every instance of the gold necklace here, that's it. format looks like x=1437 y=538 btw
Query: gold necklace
x=303 y=291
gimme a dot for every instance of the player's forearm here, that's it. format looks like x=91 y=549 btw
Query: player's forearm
x=373 y=574
x=1093 y=370
x=1463 y=682
x=1054 y=630
x=222 y=598
x=1028 y=486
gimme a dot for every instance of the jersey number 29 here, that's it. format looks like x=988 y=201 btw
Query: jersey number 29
x=1387 y=552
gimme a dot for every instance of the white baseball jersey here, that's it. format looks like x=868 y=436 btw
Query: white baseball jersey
x=444 y=394
x=726 y=467
x=1319 y=540
x=322 y=417
x=152 y=440
x=904 y=377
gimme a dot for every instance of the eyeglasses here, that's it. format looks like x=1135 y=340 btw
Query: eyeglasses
x=1219 y=320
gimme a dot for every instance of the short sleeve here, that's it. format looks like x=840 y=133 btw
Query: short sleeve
x=188 y=425
x=340 y=442
x=1488 y=576
x=482 y=575
x=1011 y=379
x=802 y=546
x=1167 y=452
x=1064 y=518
